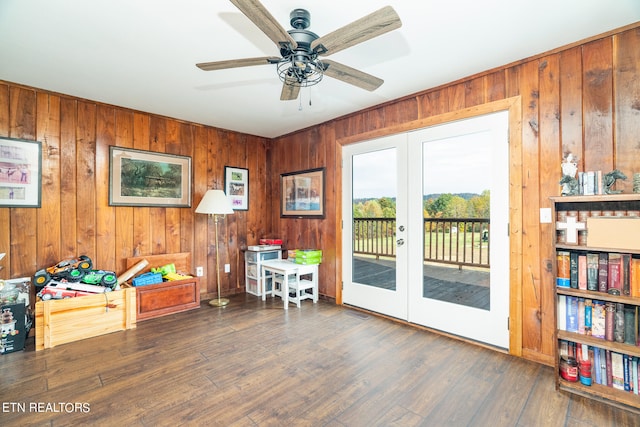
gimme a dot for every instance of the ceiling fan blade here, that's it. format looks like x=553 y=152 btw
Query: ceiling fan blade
x=351 y=75
x=289 y=91
x=365 y=28
x=236 y=63
x=260 y=16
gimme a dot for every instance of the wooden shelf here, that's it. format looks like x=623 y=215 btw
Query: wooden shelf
x=597 y=198
x=619 y=398
x=597 y=295
x=618 y=347
x=582 y=248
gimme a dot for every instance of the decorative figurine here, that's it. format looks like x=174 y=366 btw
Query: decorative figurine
x=569 y=182
x=569 y=186
x=608 y=180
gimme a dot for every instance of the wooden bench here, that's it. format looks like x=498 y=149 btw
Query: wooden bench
x=169 y=297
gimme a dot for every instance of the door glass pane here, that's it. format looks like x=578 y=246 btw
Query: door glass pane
x=374 y=192
x=456 y=201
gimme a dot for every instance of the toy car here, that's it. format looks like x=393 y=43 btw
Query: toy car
x=72 y=270
x=52 y=292
x=100 y=277
x=63 y=289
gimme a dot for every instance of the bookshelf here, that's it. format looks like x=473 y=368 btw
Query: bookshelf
x=597 y=297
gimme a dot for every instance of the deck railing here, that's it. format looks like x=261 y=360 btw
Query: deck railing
x=459 y=241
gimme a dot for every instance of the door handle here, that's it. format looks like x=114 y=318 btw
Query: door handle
x=400 y=242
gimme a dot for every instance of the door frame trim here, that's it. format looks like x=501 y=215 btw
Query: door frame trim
x=514 y=106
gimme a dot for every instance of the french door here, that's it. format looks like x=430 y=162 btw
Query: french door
x=444 y=163
x=377 y=283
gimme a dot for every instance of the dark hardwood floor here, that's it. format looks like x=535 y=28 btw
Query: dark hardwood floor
x=255 y=364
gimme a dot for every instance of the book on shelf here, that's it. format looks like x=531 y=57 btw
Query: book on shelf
x=614 y=283
x=603 y=366
x=581 y=316
x=598 y=319
x=588 y=310
x=609 y=324
x=603 y=271
x=582 y=271
x=617 y=370
x=563 y=348
x=635 y=277
x=627 y=384
x=572 y=314
x=563 y=266
x=630 y=324
x=609 y=368
x=562 y=312
x=597 y=372
x=592 y=271
x=634 y=375
x=573 y=269
x=626 y=274
x=590 y=183
x=618 y=325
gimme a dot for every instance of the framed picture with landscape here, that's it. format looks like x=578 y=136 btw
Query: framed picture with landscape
x=302 y=194
x=20 y=173
x=146 y=178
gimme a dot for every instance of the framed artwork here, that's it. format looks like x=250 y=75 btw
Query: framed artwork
x=236 y=187
x=302 y=194
x=20 y=173
x=146 y=178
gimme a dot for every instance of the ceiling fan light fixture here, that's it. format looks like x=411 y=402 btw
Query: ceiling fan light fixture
x=303 y=72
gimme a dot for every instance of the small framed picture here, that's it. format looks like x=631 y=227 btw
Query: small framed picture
x=236 y=187
x=20 y=173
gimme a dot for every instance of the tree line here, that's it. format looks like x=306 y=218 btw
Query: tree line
x=445 y=205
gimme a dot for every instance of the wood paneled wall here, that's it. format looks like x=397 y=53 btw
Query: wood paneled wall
x=75 y=217
x=583 y=98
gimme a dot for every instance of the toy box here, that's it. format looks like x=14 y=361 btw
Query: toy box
x=13 y=326
x=170 y=297
x=72 y=319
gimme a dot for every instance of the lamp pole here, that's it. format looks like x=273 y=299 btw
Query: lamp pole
x=220 y=302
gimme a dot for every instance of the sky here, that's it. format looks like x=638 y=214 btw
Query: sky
x=461 y=164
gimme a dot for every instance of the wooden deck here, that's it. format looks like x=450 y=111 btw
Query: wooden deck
x=469 y=287
x=253 y=364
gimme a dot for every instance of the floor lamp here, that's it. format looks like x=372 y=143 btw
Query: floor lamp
x=216 y=203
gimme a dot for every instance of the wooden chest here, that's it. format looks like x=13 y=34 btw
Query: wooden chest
x=67 y=320
x=168 y=297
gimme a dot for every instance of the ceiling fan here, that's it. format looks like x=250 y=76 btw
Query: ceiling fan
x=300 y=64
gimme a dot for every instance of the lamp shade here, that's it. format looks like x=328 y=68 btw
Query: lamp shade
x=214 y=202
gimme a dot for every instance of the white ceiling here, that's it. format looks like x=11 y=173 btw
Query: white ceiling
x=141 y=54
